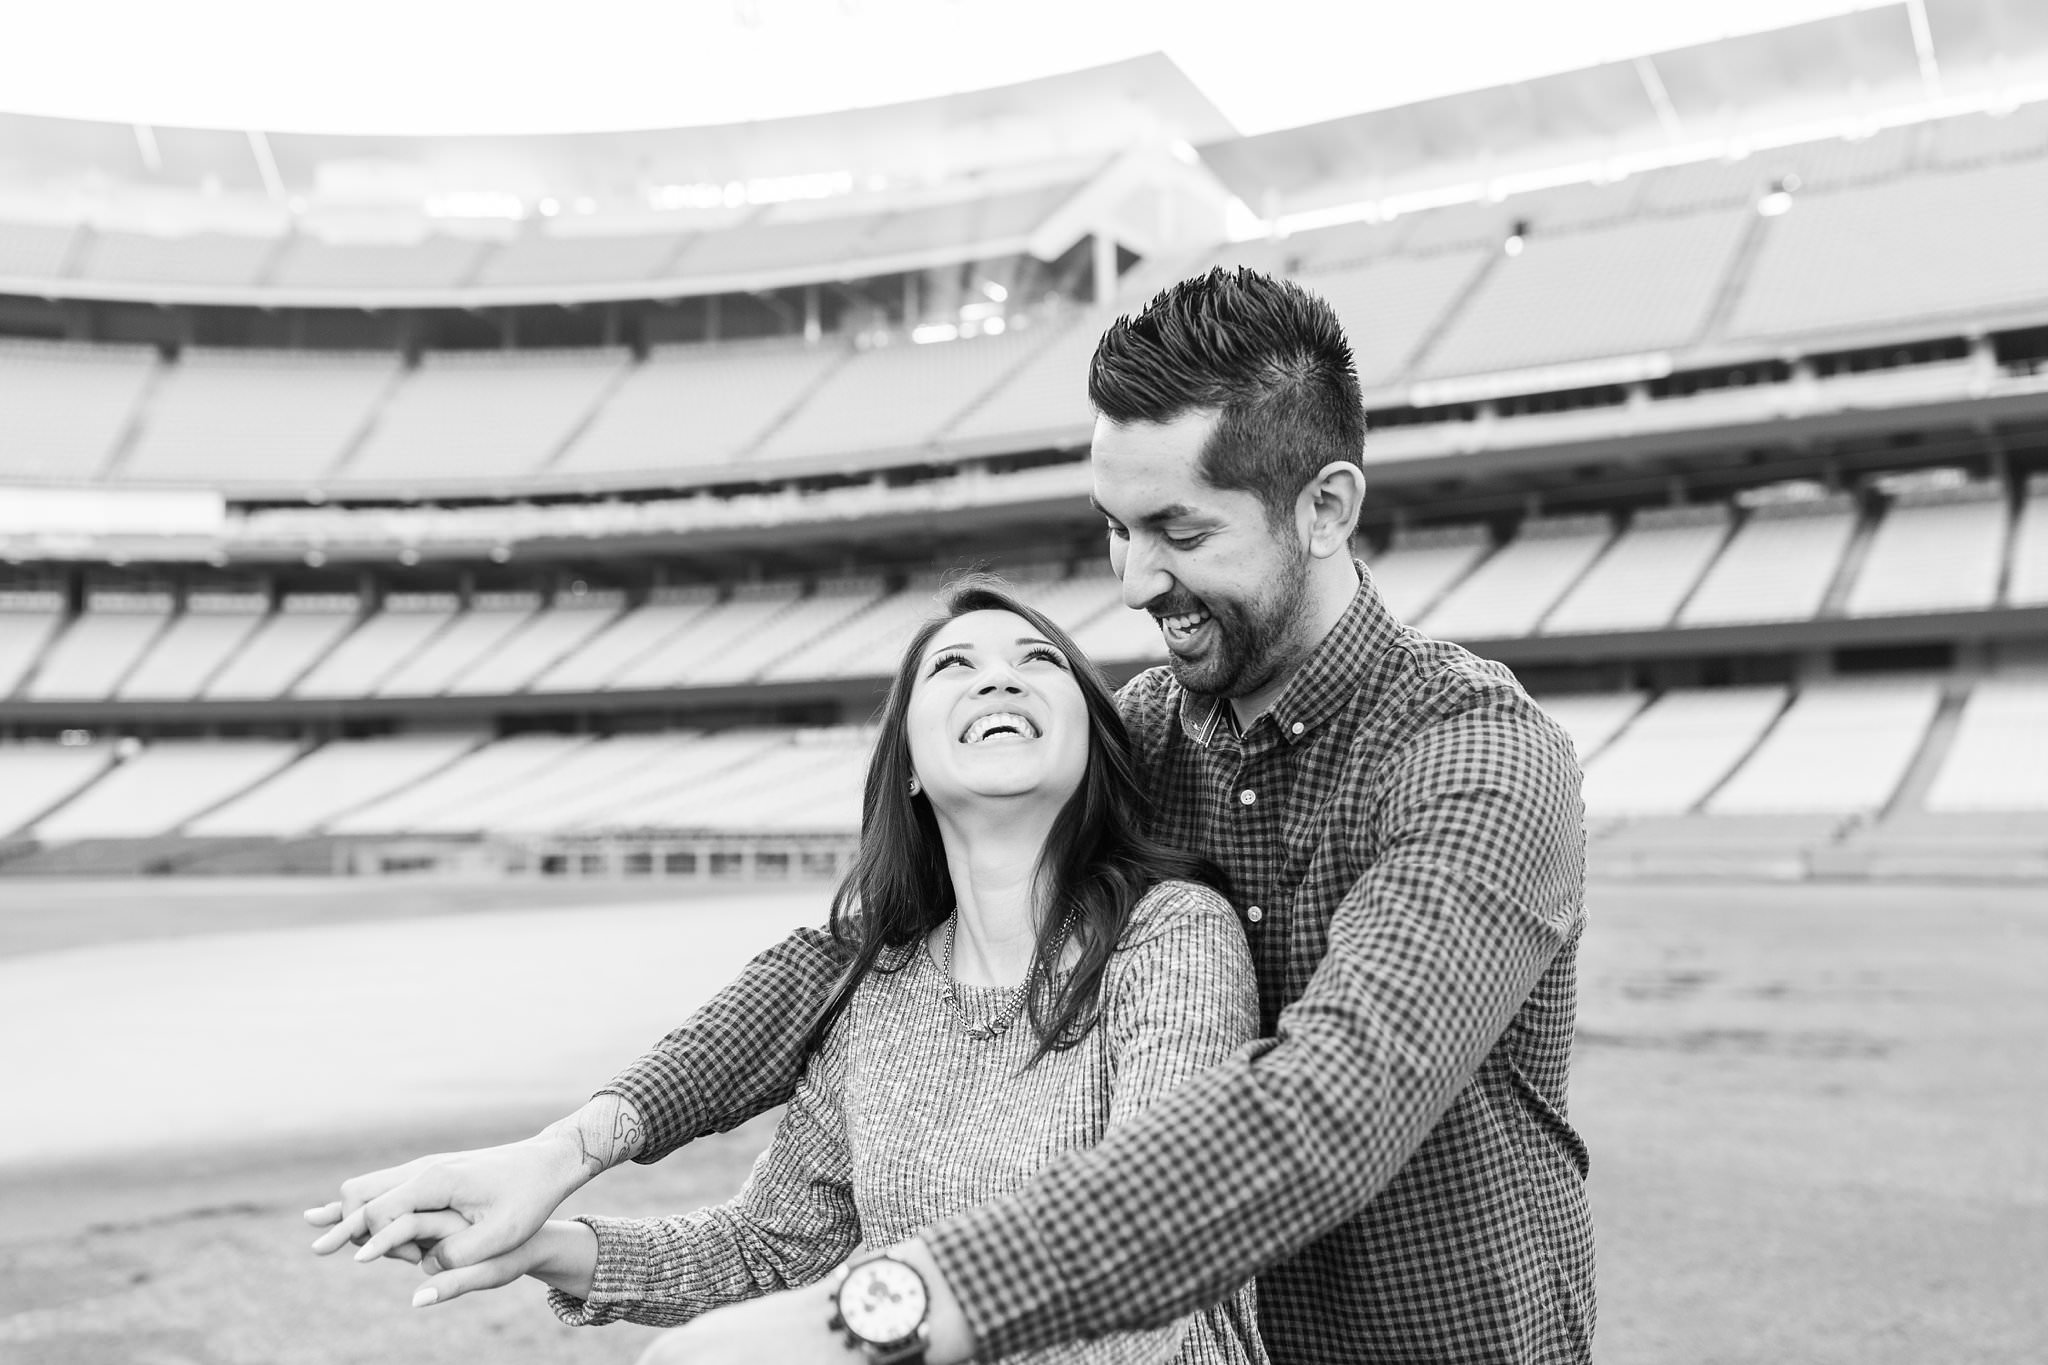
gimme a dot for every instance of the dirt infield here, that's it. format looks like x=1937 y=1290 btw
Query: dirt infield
x=1814 y=1112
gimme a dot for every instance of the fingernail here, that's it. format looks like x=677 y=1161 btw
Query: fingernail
x=365 y=1255
x=427 y=1294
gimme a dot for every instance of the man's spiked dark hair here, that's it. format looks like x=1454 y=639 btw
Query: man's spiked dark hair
x=1265 y=353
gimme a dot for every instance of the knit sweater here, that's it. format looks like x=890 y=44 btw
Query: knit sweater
x=902 y=1118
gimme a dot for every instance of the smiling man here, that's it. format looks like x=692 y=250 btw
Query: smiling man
x=1402 y=832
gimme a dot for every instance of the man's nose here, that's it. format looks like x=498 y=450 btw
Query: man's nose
x=1144 y=581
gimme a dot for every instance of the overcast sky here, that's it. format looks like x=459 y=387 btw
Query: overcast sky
x=466 y=66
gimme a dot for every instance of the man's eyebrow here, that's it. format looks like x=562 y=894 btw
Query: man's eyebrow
x=1178 y=511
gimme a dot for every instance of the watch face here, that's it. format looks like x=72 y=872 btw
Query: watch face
x=882 y=1301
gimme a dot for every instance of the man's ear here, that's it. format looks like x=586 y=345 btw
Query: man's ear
x=1329 y=506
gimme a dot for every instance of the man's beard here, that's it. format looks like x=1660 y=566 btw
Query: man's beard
x=1249 y=635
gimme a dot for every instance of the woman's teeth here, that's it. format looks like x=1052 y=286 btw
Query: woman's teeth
x=1009 y=723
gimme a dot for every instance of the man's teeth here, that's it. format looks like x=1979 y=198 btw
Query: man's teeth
x=1008 y=722
x=1185 y=624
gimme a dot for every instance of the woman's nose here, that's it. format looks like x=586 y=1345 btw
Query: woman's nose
x=997 y=677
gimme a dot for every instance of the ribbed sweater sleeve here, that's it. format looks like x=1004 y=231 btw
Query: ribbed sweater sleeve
x=791 y=1223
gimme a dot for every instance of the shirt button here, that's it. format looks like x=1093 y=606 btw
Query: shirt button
x=1255 y=914
x=1296 y=728
x=1247 y=796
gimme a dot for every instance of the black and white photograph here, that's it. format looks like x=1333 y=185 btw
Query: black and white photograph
x=912 y=682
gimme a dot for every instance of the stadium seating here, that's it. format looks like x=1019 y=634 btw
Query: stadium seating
x=863 y=646
x=2027 y=579
x=896 y=396
x=749 y=612
x=40 y=776
x=1593 y=719
x=1938 y=549
x=1998 y=760
x=1777 y=567
x=806 y=780
x=101 y=644
x=766 y=245
x=1630 y=287
x=988 y=218
x=1091 y=606
x=609 y=774
x=379 y=646
x=543 y=639
x=1678 y=750
x=441 y=801
x=627 y=640
x=482 y=415
x=195 y=646
x=1839 y=748
x=688 y=406
x=1388 y=307
x=1421 y=565
x=1640 y=583
x=285 y=645
x=1046 y=398
x=836 y=604
x=164 y=787
x=330 y=782
x=1954 y=245
x=278 y=418
x=541 y=259
x=203 y=258
x=1509 y=594
x=27 y=622
x=468 y=640
x=35 y=251
x=307 y=264
x=63 y=409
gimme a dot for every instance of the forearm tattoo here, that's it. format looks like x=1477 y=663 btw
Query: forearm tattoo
x=607 y=1131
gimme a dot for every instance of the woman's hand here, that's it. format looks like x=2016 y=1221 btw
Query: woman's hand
x=562 y=1255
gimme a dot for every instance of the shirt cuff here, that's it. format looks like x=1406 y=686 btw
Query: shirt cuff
x=620 y=1280
x=664 y=1105
x=1002 y=1271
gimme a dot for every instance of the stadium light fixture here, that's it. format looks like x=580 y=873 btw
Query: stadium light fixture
x=1517 y=237
x=995 y=292
x=1779 y=200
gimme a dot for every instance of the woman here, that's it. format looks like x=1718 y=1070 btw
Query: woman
x=1028 y=970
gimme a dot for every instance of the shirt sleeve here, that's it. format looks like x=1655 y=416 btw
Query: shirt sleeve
x=792 y=1222
x=1472 y=886
x=740 y=1055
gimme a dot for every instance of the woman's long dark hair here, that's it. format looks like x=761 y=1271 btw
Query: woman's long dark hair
x=1097 y=862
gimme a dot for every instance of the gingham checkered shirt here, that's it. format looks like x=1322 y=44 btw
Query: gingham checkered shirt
x=1404 y=838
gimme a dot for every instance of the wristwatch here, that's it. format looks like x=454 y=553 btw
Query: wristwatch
x=883 y=1307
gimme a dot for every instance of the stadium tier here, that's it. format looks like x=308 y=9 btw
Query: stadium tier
x=1922 y=230
x=1778 y=566
x=197 y=645
x=1643 y=578
x=1937 y=550
x=1678 y=750
x=379 y=647
x=1837 y=749
x=1690 y=768
x=464 y=643
x=1419 y=566
x=2027 y=581
x=627 y=640
x=285 y=645
x=97 y=649
x=1510 y=593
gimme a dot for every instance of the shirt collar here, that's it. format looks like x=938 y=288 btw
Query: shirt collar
x=1320 y=687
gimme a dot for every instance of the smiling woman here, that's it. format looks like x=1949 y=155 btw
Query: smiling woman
x=1024 y=969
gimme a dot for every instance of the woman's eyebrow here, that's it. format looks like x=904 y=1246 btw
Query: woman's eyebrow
x=1022 y=640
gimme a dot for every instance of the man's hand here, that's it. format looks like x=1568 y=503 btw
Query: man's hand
x=504 y=1194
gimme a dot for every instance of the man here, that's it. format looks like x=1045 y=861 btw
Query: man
x=1402 y=831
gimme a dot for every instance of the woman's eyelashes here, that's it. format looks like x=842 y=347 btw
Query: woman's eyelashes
x=1045 y=653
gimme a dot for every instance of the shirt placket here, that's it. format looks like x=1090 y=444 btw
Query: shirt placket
x=1252 y=814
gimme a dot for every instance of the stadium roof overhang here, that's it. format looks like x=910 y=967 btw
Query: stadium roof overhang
x=1076 y=119
x=1782 y=85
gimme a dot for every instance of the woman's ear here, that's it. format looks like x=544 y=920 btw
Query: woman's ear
x=1329 y=507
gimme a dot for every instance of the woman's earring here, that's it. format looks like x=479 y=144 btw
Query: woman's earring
x=915 y=785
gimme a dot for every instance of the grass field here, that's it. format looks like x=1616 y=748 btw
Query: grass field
x=1815 y=1111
